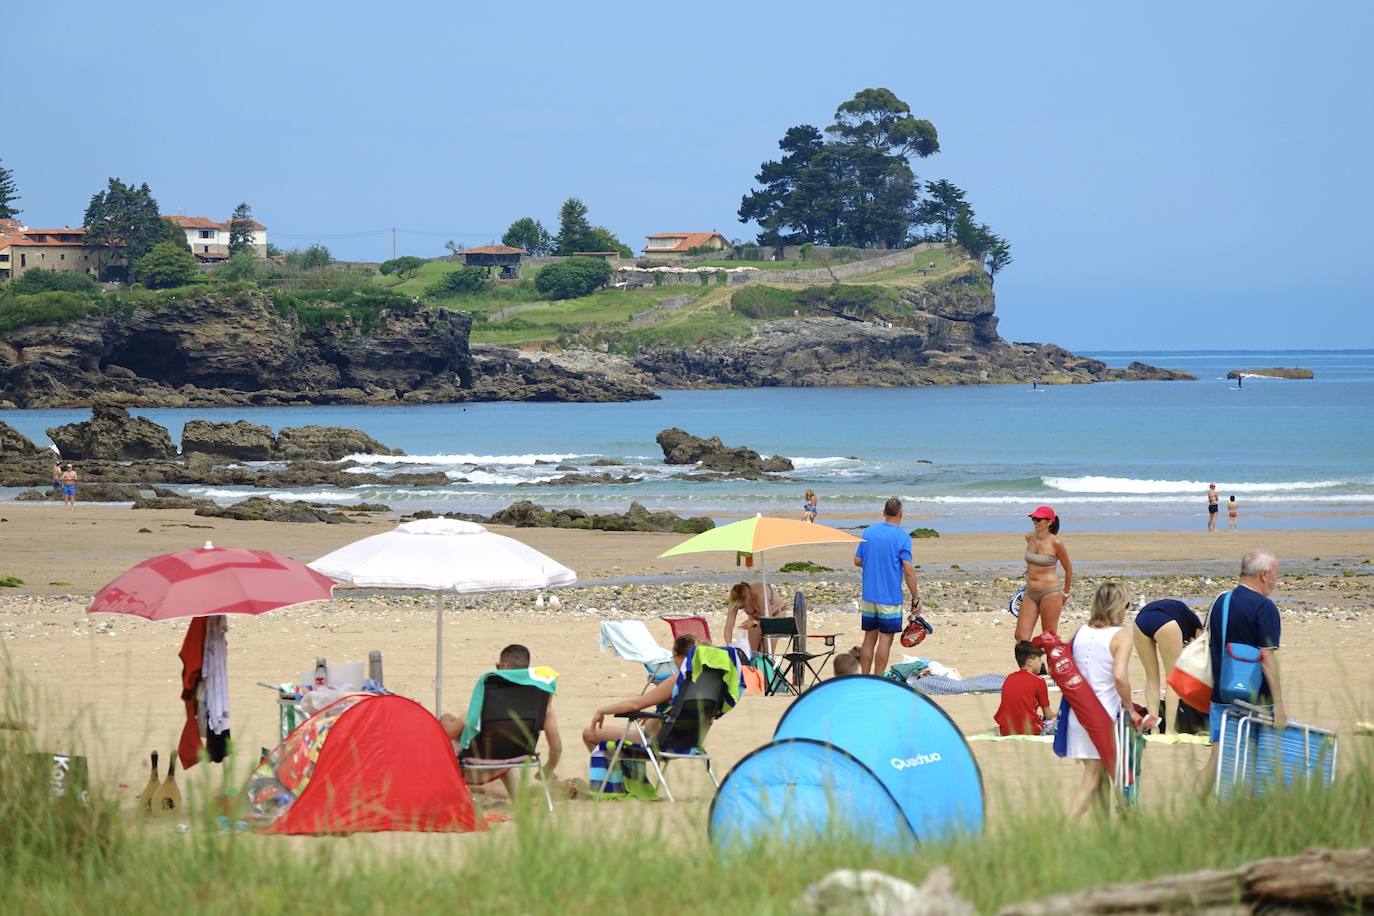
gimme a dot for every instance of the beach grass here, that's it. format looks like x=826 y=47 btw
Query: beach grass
x=69 y=856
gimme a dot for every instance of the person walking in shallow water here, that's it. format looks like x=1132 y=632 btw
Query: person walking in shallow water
x=809 y=506
x=1212 y=508
x=1232 y=510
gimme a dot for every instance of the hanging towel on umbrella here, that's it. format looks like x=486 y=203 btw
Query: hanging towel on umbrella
x=192 y=661
x=215 y=669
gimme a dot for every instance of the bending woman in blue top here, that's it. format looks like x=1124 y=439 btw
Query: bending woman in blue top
x=1162 y=628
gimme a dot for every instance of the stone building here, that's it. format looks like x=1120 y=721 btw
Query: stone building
x=23 y=249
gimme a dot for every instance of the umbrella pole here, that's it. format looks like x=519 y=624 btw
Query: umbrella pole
x=438 y=653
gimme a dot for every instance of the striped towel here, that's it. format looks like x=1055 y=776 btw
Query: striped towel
x=943 y=686
x=629 y=779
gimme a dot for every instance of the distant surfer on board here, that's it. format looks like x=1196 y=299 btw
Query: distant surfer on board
x=1035 y=383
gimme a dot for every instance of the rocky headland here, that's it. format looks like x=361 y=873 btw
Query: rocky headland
x=218 y=349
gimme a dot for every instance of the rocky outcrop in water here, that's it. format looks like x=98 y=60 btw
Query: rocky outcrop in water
x=327 y=443
x=13 y=444
x=681 y=447
x=112 y=434
x=240 y=441
x=1276 y=372
x=502 y=374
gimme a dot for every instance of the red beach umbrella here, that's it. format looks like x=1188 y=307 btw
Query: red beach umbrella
x=211 y=580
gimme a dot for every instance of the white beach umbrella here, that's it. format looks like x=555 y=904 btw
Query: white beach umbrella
x=443 y=555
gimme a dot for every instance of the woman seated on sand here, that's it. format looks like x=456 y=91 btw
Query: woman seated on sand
x=1102 y=652
x=660 y=696
x=750 y=598
x=1044 y=597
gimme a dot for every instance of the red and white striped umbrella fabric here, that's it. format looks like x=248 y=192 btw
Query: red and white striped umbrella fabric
x=211 y=580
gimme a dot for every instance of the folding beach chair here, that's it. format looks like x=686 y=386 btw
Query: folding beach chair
x=1130 y=747
x=630 y=640
x=1253 y=758
x=790 y=674
x=700 y=701
x=689 y=626
x=512 y=717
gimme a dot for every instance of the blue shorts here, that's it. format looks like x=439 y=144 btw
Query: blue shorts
x=69 y=489
x=885 y=618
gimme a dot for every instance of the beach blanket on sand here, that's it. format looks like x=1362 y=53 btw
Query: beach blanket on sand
x=943 y=686
x=541 y=676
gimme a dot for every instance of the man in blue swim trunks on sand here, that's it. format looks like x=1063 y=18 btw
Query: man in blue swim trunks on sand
x=884 y=555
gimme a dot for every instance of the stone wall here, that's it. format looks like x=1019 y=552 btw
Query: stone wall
x=847 y=271
x=664 y=306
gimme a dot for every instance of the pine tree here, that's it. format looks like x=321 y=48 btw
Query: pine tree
x=9 y=193
x=241 y=230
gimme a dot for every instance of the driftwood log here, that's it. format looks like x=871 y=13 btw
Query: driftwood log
x=1315 y=881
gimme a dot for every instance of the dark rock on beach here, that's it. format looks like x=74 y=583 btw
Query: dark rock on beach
x=265 y=509
x=525 y=514
x=501 y=374
x=574 y=480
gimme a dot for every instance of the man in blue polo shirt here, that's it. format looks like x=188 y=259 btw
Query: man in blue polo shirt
x=884 y=555
x=1253 y=620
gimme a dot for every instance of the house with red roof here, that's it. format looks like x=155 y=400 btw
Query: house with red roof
x=679 y=243
x=209 y=239
x=23 y=248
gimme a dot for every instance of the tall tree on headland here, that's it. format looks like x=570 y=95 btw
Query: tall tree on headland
x=877 y=135
x=528 y=233
x=126 y=217
x=574 y=231
x=999 y=256
x=855 y=188
x=9 y=193
x=940 y=208
x=241 y=230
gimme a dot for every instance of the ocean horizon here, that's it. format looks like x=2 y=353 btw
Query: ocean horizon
x=1108 y=456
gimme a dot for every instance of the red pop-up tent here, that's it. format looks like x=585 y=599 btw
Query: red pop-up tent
x=363 y=763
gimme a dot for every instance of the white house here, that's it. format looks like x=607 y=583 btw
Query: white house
x=209 y=240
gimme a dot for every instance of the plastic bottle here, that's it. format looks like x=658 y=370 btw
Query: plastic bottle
x=321 y=672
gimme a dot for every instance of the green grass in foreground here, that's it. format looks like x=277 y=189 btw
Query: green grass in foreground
x=64 y=857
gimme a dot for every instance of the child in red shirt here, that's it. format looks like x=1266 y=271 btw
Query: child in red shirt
x=1025 y=707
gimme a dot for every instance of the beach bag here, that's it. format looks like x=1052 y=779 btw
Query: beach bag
x=1079 y=697
x=1191 y=678
x=1240 y=677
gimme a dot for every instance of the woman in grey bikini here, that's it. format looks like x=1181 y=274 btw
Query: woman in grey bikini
x=1044 y=597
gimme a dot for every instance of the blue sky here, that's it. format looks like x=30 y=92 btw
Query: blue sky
x=1170 y=175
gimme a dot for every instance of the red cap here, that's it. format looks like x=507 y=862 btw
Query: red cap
x=1043 y=512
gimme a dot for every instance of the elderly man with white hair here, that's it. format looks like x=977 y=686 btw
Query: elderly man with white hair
x=1246 y=616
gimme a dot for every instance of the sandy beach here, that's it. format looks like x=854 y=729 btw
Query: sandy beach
x=114 y=680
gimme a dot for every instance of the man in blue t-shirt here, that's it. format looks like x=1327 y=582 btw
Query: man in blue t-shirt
x=1253 y=620
x=884 y=555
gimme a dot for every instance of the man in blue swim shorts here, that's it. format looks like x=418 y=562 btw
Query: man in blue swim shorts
x=69 y=486
x=884 y=555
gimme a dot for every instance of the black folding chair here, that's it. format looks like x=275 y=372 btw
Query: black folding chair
x=512 y=718
x=790 y=674
x=682 y=733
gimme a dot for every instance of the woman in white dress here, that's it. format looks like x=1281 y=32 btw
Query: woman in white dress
x=1102 y=652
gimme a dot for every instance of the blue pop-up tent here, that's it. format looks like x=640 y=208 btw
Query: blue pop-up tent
x=862 y=754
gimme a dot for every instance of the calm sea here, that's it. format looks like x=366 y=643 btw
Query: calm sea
x=1110 y=456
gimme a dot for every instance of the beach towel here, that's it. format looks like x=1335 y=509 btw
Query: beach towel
x=629 y=779
x=727 y=661
x=630 y=639
x=1077 y=696
x=902 y=672
x=943 y=686
x=192 y=656
x=541 y=676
